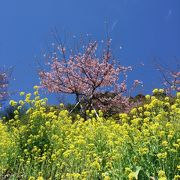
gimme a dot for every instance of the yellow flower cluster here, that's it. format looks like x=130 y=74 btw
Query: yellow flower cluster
x=44 y=142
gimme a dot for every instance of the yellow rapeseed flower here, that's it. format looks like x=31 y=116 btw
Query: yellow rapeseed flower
x=162 y=155
x=176 y=177
x=161 y=90
x=162 y=175
x=36 y=87
x=155 y=91
x=21 y=93
x=147 y=97
x=12 y=103
x=31 y=178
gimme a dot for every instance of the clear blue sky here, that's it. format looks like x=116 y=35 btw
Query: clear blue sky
x=145 y=29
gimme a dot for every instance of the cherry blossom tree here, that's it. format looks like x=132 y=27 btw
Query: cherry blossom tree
x=87 y=75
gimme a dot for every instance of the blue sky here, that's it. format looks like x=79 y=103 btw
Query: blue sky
x=141 y=30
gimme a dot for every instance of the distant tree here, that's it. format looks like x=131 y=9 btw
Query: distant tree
x=170 y=77
x=4 y=82
x=87 y=75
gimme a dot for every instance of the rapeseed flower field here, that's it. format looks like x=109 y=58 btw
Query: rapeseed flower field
x=46 y=144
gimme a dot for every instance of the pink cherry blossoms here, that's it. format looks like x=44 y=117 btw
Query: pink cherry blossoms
x=87 y=76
